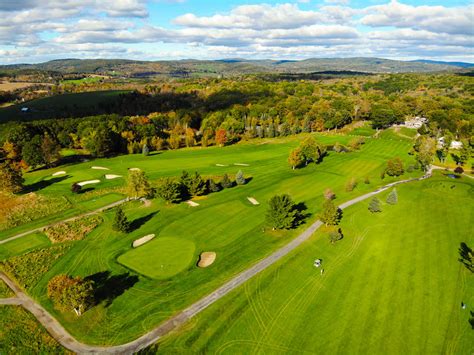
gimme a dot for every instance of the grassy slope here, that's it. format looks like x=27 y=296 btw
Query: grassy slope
x=23 y=245
x=224 y=222
x=50 y=106
x=392 y=285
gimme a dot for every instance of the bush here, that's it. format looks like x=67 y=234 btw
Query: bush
x=459 y=170
x=335 y=235
x=394 y=167
x=351 y=184
x=76 y=188
x=239 y=178
x=329 y=194
x=74 y=230
x=226 y=182
x=366 y=180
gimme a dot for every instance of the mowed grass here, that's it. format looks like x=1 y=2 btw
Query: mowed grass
x=49 y=107
x=23 y=245
x=393 y=285
x=225 y=222
x=160 y=258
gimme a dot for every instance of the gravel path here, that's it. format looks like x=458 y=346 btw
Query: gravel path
x=39 y=229
x=65 y=339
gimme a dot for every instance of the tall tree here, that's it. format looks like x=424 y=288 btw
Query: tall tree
x=296 y=158
x=426 y=151
x=11 y=177
x=169 y=190
x=221 y=137
x=330 y=215
x=121 y=223
x=74 y=294
x=282 y=212
x=138 y=184
x=50 y=149
x=32 y=153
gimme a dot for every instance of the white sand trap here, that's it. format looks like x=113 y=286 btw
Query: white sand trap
x=253 y=201
x=112 y=176
x=221 y=165
x=57 y=173
x=206 y=258
x=241 y=164
x=99 y=168
x=143 y=240
x=134 y=169
x=192 y=203
x=88 y=182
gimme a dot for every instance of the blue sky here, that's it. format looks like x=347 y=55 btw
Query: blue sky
x=35 y=30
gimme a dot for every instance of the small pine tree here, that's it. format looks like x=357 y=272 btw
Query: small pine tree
x=282 y=212
x=212 y=186
x=197 y=186
x=239 y=178
x=392 y=197
x=169 y=190
x=121 y=224
x=226 y=182
x=374 y=205
x=145 y=150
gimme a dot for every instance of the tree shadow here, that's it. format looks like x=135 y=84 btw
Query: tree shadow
x=137 y=223
x=301 y=215
x=40 y=185
x=108 y=287
x=466 y=256
x=471 y=320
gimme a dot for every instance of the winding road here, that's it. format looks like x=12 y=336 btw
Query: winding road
x=64 y=338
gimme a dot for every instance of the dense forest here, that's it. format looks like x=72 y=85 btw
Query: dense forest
x=179 y=113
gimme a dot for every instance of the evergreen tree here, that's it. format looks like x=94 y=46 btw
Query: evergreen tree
x=121 y=224
x=392 y=197
x=226 y=182
x=330 y=215
x=282 y=212
x=145 y=150
x=212 y=186
x=239 y=178
x=374 y=205
x=169 y=190
x=197 y=186
x=11 y=178
x=138 y=185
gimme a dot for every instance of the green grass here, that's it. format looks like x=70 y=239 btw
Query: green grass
x=53 y=106
x=366 y=131
x=160 y=258
x=392 y=285
x=225 y=222
x=22 y=334
x=88 y=80
x=22 y=245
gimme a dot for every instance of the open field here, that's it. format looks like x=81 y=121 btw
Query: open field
x=392 y=285
x=224 y=222
x=57 y=106
x=8 y=86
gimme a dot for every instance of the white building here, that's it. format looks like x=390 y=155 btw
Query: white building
x=416 y=122
x=454 y=144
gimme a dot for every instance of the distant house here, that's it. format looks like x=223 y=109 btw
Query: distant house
x=416 y=122
x=25 y=109
x=456 y=145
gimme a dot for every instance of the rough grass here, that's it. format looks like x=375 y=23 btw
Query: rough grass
x=392 y=285
x=22 y=334
x=161 y=258
x=74 y=230
x=5 y=291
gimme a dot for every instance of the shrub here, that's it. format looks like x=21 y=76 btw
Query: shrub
x=239 y=178
x=392 y=197
x=394 y=167
x=335 y=235
x=226 y=182
x=76 y=188
x=351 y=184
x=366 y=180
x=459 y=170
x=329 y=194
x=212 y=186
x=74 y=230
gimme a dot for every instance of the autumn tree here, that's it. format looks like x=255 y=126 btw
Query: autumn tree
x=394 y=167
x=221 y=137
x=296 y=158
x=74 y=294
x=50 y=149
x=138 y=185
x=11 y=177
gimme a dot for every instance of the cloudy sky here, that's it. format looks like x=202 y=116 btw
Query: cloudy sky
x=39 y=30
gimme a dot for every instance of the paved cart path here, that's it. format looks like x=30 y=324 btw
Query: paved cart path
x=64 y=338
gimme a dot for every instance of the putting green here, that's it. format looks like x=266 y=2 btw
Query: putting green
x=160 y=258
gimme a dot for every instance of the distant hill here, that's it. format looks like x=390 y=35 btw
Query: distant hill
x=454 y=64
x=193 y=68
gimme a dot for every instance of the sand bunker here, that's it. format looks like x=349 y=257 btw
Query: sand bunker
x=59 y=173
x=143 y=240
x=134 y=169
x=111 y=176
x=192 y=203
x=88 y=182
x=253 y=201
x=221 y=165
x=241 y=164
x=99 y=168
x=206 y=259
